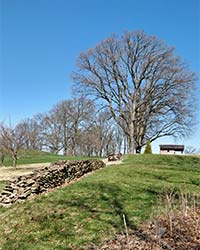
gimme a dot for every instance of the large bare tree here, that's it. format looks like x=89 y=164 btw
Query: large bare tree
x=147 y=88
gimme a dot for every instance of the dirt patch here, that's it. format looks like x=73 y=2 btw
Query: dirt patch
x=112 y=162
x=8 y=173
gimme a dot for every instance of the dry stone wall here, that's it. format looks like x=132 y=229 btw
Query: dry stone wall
x=24 y=187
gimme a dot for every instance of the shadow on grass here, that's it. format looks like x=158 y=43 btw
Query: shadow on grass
x=105 y=199
x=78 y=218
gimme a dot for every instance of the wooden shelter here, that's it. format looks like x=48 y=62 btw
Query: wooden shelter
x=171 y=149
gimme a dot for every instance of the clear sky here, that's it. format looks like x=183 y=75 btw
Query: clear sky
x=41 y=39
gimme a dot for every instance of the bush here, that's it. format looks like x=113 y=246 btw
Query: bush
x=148 y=148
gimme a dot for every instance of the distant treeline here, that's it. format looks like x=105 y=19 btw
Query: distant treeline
x=71 y=127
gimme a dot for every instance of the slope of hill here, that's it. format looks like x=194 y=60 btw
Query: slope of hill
x=34 y=156
x=96 y=208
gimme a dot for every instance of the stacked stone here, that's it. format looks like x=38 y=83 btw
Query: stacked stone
x=42 y=180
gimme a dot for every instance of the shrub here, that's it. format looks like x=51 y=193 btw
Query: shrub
x=148 y=148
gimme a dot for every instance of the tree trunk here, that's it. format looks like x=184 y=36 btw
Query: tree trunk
x=1 y=159
x=65 y=151
x=65 y=140
x=74 y=148
x=131 y=139
x=101 y=152
x=125 y=145
x=131 y=145
x=14 y=161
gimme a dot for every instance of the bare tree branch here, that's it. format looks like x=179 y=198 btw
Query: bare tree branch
x=147 y=89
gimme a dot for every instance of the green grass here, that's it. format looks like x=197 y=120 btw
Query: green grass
x=33 y=156
x=91 y=210
x=2 y=185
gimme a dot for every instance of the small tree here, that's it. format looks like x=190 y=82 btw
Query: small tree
x=148 y=148
x=12 y=140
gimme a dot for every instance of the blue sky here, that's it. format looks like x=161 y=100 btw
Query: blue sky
x=41 y=39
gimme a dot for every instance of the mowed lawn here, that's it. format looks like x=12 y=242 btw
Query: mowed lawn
x=92 y=209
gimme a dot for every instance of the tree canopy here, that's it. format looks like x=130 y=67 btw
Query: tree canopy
x=147 y=88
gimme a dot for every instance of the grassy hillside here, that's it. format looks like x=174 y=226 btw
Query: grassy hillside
x=33 y=156
x=92 y=209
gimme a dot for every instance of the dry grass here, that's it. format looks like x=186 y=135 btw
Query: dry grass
x=176 y=229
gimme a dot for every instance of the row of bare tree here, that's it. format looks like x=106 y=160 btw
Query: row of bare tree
x=72 y=127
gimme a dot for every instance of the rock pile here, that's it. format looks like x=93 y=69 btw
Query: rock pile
x=23 y=187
